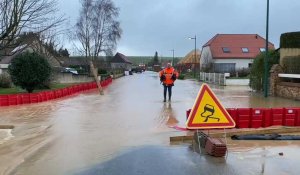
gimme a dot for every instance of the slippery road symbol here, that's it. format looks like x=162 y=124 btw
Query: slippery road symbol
x=209 y=111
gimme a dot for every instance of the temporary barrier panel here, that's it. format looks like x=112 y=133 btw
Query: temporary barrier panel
x=267 y=120
x=244 y=113
x=243 y=117
x=257 y=117
x=277 y=116
x=34 y=98
x=43 y=96
x=289 y=117
x=12 y=99
x=233 y=113
x=243 y=123
x=256 y=123
x=25 y=98
x=257 y=113
x=65 y=92
x=297 y=122
x=4 y=100
x=86 y=86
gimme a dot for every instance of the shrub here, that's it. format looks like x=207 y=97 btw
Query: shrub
x=29 y=71
x=5 y=81
x=291 y=65
x=244 y=72
x=181 y=76
x=257 y=69
x=102 y=71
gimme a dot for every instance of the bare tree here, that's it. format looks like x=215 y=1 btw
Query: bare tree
x=17 y=16
x=97 y=30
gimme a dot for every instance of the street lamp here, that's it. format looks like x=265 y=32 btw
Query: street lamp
x=195 y=59
x=266 y=73
x=173 y=57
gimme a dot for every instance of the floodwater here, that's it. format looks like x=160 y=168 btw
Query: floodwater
x=127 y=131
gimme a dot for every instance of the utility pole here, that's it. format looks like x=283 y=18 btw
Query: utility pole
x=195 y=56
x=173 y=57
x=266 y=72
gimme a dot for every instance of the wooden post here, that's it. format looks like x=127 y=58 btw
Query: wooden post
x=96 y=78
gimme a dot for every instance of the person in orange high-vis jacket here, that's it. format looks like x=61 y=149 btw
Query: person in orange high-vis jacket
x=168 y=77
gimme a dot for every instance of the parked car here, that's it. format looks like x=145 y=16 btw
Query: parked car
x=70 y=70
x=137 y=70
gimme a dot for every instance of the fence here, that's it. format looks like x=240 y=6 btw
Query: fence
x=215 y=78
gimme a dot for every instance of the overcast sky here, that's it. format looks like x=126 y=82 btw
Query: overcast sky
x=162 y=25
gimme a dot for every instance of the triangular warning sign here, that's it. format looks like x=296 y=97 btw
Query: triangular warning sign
x=208 y=112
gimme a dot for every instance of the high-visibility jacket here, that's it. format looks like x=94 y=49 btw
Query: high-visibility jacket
x=168 y=73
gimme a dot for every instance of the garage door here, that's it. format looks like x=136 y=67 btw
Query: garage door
x=224 y=67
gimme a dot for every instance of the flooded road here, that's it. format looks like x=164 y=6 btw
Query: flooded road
x=118 y=132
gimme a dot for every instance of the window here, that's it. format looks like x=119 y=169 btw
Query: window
x=226 y=50
x=249 y=65
x=262 y=49
x=245 y=50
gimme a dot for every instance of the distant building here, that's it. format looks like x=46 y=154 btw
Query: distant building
x=31 y=45
x=231 y=52
x=120 y=61
x=189 y=62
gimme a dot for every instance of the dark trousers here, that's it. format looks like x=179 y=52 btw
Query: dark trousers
x=169 y=91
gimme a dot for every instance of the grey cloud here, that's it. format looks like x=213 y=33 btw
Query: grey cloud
x=161 y=25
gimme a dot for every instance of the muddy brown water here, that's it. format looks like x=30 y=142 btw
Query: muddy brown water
x=72 y=134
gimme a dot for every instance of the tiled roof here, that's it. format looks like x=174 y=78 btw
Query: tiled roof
x=190 y=57
x=120 y=58
x=235 y=43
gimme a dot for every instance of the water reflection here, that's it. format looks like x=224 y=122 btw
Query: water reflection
x=167 y=116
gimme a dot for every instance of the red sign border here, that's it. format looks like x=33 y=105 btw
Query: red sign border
x=190 y=125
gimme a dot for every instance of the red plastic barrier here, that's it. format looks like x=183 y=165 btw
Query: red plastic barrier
x=86 y=86
x=267 y=120
x=257 y=117
x=94 y=85
x=58 y=93
x=25 y=98
x=290 y=117
x=76 y=88
x=70 y=90
x=233 y=113
x=243 y=117
x=52 y=93
x=43 y=96
x=297 y=120
x=13 y=99
x=4 y=100
x=16 y=99
x=34 y=98
x=65 y=92
x=277 y=116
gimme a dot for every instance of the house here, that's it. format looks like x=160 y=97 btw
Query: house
x=189 y=61
x=31 y=45
x=120 y=61
x=231 y=52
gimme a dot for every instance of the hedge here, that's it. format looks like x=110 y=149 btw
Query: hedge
x=290 y=40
